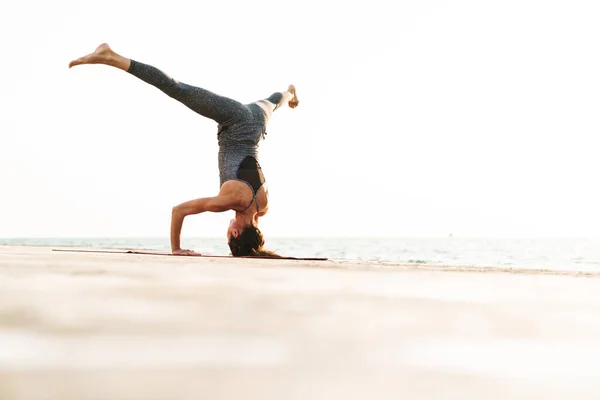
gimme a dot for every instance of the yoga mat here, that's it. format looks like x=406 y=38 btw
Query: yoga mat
x=164 y=253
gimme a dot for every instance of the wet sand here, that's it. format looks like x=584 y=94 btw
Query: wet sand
x=118 y=326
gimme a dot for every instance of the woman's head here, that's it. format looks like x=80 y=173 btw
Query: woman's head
x=247 y=242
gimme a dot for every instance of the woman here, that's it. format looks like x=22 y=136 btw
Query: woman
x=240 y=129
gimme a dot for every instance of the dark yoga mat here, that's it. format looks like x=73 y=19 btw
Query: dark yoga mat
x=164 y=253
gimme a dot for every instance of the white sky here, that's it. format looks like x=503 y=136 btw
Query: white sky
x=416 y=118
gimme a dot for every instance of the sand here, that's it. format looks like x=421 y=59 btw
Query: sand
x=111 y=326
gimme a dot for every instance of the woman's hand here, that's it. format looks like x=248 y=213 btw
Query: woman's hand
x=182 y=252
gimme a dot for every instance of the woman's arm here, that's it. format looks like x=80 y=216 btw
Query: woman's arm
x=212 y=204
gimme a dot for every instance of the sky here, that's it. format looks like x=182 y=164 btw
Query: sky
x=416 y=118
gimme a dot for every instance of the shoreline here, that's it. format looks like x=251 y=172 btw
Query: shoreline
x=577 y=257
x=347 y=263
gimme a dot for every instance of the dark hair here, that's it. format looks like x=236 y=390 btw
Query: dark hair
x=249 y=243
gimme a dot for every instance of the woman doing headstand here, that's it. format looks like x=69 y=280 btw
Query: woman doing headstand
x=240 y=129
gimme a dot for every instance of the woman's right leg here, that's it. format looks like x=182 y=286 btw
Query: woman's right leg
x=218 y=108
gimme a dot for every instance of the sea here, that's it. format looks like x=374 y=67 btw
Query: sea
x=551 y=254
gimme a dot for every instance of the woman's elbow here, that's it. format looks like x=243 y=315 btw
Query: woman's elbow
x=177 y=212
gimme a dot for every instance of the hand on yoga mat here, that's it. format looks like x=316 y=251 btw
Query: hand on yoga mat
x=182 y=252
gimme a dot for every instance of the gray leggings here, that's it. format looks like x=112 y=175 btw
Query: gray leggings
x=221 y=109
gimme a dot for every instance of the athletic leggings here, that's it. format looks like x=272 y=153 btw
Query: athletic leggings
x=241 y=126
x=223 y=110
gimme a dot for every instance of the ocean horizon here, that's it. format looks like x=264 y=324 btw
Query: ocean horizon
x=535 y=253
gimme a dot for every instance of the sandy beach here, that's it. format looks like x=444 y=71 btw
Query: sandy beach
x=121 y=326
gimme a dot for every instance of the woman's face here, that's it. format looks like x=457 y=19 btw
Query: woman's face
x=233 y=230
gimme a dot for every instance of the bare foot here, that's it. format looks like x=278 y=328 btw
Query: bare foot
x=102 y=55
x=294 y=102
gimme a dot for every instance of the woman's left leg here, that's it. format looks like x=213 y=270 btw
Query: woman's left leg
x=221 y=109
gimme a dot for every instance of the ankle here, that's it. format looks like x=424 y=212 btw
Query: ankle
x=118 y=61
